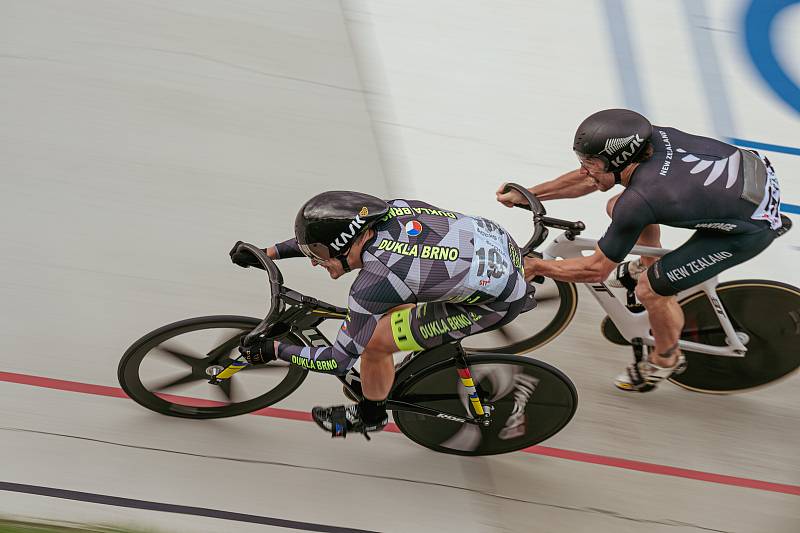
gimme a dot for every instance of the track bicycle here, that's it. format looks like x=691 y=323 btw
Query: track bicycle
x=738 y=335
x=448 y=398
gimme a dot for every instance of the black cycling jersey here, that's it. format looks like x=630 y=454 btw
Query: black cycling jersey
x=693 y=182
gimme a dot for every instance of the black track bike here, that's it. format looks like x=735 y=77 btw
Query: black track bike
x=449 y=398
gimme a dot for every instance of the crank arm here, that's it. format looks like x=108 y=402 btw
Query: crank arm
x=227 y=372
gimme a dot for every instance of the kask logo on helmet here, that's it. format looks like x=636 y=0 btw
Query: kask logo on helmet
x=344 y=237
x=613 y=145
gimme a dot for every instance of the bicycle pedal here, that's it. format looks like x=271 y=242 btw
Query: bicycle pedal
x=628 y=387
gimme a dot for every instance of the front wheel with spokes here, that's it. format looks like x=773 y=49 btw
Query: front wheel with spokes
x=168 y=370
x=556 y=302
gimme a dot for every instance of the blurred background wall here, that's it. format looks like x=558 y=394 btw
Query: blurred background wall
x=466 y=95
x=141 y=139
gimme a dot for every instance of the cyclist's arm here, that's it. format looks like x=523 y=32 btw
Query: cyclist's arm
x=570 y=185
x=284 y=250
x=590 y=269
x=371 y=295
x=631 y=214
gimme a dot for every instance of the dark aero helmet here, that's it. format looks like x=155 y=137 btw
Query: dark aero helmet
x=327 y=224
x=615 y=136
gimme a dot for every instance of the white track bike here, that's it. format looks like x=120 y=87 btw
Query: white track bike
x=738 y=335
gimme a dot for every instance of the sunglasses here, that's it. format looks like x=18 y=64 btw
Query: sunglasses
x=316 y=252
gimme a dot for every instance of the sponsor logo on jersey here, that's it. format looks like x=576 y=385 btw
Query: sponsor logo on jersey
x=411 y=211
x=441 y=326
x=346 y=236
x=423 y=251
x=716 y=225
x=310 y=364
x=630 y=145
x=698 y=265
x=516 y=258
x=413 y=228
x=669 y=152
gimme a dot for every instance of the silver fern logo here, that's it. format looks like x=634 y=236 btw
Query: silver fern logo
x=718 y=167
x=624 y=147
x=616 y=144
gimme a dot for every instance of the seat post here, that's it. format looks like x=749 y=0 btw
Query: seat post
x=466 y=380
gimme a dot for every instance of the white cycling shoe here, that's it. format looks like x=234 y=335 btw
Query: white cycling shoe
x=626 y=274
x=644 y=376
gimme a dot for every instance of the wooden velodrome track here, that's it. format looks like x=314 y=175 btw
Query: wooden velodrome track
x=139 y=141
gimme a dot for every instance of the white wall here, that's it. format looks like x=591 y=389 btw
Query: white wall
x=466 y=94
x=138 y=141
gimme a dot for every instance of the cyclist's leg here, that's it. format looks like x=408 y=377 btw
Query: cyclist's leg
x=702 y=257
x=377 y=377
x=434 y=323
x=377 y=361
x=666 y=322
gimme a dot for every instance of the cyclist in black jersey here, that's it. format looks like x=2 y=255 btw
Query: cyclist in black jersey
x=427 y=276
x=729 y=196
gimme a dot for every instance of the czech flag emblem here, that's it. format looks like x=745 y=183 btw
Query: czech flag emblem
x=413 y=228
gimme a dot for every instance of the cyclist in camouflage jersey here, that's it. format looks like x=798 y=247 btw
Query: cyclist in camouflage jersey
x=427 y=276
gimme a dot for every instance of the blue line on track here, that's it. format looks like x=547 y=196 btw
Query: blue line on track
x=765 y=146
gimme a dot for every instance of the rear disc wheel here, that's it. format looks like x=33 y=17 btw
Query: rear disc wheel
x=766 y=314
x=531 y=401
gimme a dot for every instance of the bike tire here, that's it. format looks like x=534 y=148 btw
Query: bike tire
x=768 y=312
x=505 y=380
x=568 y=303
x=128 y=372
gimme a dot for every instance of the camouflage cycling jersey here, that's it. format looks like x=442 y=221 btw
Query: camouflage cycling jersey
x=468 y=269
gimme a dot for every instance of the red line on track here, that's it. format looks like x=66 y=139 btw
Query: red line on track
x=287 y=414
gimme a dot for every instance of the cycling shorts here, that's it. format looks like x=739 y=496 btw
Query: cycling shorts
x=706 y=254
x=434 y=323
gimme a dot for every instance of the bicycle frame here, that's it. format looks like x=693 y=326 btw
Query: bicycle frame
x=637 y=325
x=305 y=313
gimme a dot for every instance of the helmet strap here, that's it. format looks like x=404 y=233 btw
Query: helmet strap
x=617 y=177
x=345 y=264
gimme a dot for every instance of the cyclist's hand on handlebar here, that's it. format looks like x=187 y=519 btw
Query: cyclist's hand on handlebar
x=243 y=258
x=510 y=198
x=259 y=351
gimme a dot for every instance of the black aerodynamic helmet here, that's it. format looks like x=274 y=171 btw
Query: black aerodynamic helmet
x=327 y=224
x=615 y=136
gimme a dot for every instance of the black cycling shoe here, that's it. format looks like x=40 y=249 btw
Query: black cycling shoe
x=340 y=420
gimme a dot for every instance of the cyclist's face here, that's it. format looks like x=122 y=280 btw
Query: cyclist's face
x=594 y=169
x=333 y=266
